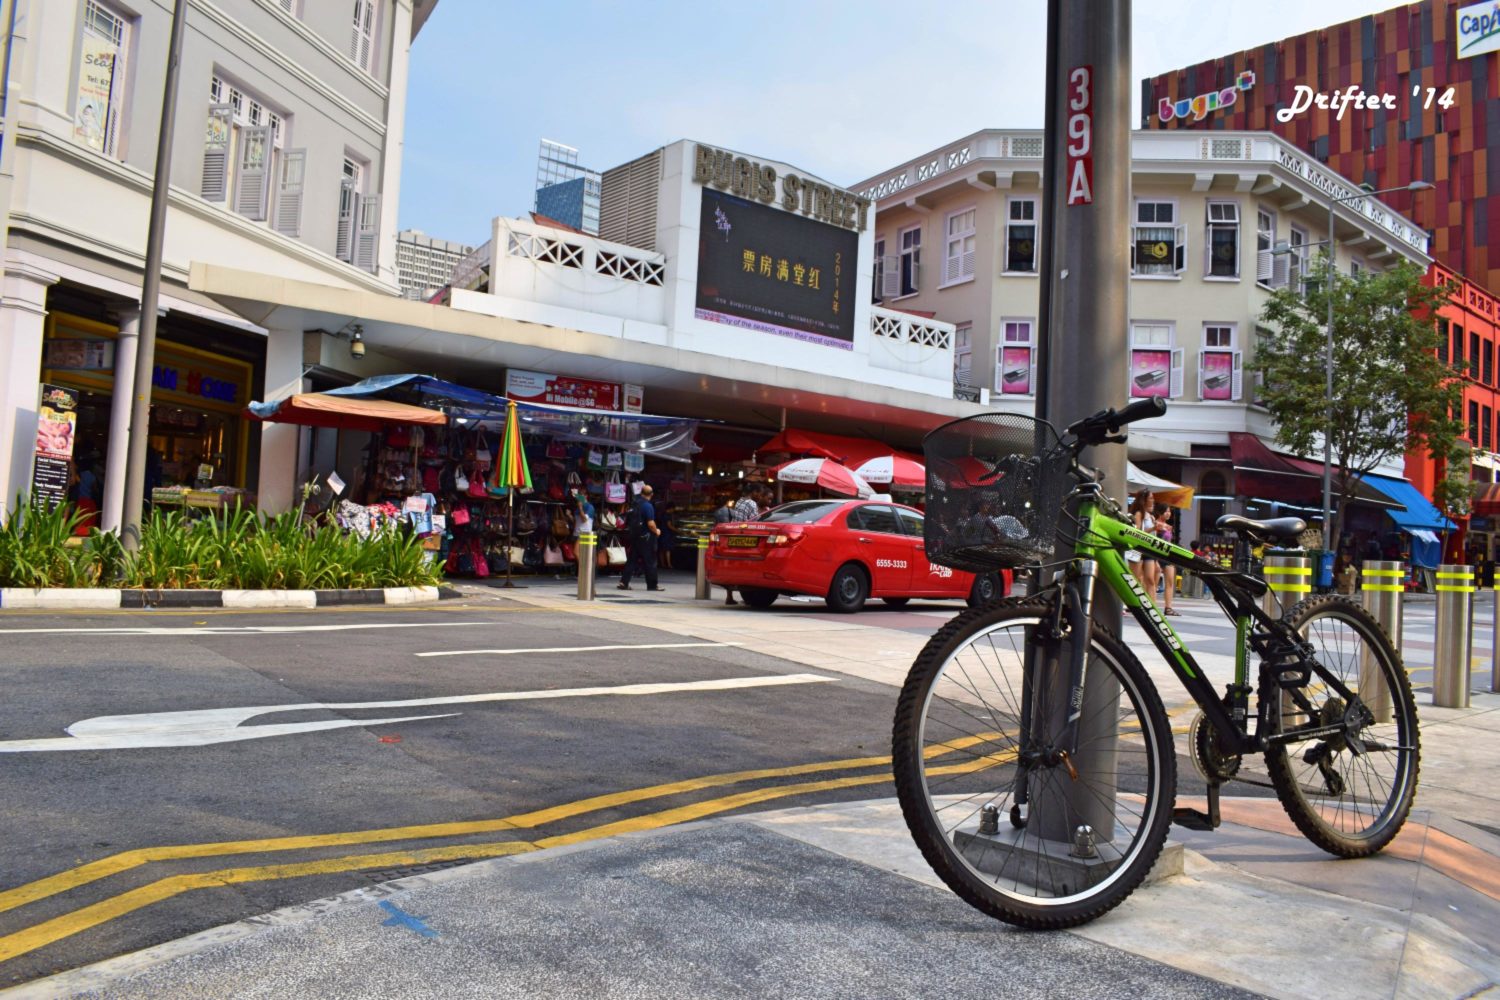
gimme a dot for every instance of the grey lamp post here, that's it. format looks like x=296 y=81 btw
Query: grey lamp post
x=1332 y=243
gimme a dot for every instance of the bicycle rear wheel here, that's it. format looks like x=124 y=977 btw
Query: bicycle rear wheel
x=1348 y=799
x=1005 y=823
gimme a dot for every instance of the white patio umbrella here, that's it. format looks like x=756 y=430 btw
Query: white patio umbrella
x=827 y=473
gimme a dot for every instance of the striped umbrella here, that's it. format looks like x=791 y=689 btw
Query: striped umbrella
x=511 y=470
x=898 y=470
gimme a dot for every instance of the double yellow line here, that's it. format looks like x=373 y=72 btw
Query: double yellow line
x=50 y=931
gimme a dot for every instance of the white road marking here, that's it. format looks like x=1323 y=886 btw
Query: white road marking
x=575 y=649
x=201 y=727
x=233 y=629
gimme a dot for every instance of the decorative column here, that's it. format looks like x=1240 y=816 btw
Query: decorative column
x=23 y=314
x=119 y=420
x=280 y=444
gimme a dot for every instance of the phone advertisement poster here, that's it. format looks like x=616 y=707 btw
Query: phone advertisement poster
x=1150 y=373
x=1218 y=375
x=1015 y=371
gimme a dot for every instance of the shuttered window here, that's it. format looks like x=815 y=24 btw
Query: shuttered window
x=289 y=193
x=362 y=38
x=100 y=93
x=244 y=155
x=958 y=249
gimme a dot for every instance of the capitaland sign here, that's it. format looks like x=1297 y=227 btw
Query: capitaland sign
x=1204 y=104
x=1478 y=29
x=745 y=178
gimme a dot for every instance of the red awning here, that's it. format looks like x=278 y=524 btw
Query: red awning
x=1486 y=500
x=1269 y=475
x=350 y=413
x=848 y=451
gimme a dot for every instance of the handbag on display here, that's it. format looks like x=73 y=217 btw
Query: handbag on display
x=596 y=458
x=601 y=558
x=616 y=554
x=561 y=526
x=460 y=481
x=460 y=515
x=614 y=460
x=398 y=437
x=552 y=555
x=517 y=556
x=482 y=452
x=614 y=492
x=526 y=523
x=476 y=484
x=635 y=461
x=569 y=553
x=556 y=449
x=477 y=557
x=533 y=556
x=608 y=521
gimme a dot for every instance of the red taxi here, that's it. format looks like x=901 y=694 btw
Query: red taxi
x=844 y=551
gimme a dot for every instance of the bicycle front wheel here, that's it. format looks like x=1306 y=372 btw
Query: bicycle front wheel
x=1348 y=793
x=1025 y=829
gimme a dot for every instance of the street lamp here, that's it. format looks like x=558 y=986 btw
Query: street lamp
x=1332 y=244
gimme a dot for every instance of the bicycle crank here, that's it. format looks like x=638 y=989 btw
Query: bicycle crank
x=1212 y=762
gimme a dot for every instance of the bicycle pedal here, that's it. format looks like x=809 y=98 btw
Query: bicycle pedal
x=1193 y=819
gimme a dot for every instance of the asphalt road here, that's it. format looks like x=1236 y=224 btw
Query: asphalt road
x=159 y=817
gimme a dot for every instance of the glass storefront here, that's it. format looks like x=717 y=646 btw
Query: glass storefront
x=197 y=433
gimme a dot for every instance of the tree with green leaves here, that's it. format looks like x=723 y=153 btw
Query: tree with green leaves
x=1391 y=394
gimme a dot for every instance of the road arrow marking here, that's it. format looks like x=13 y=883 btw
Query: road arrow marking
x=202 y=727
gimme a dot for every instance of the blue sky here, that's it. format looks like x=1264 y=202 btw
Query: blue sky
x=841 y=90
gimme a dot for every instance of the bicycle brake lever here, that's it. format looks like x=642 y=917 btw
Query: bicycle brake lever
x=1115 y=439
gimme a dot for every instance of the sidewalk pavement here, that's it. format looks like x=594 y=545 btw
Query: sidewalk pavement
x=835 y=901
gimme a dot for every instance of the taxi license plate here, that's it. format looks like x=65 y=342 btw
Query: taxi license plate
x=742 y=541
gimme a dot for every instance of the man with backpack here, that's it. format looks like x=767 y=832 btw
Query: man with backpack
x=641 y=534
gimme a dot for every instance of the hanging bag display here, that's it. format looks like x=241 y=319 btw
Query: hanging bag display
x=482 y=453
x=635 y=461
x=614 y=460
x=460 y=481
x=517 y=556
x=460 y=515
x=596 y=458
x=614 y=490
x=562 y=527
x=476 y=484
x=552 y=554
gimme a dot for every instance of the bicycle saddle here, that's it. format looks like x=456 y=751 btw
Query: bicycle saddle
x=1276 y=527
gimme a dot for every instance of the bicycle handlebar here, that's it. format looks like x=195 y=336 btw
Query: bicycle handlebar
x=1102 y=426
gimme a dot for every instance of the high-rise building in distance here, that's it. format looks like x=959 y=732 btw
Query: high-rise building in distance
x=566 y=191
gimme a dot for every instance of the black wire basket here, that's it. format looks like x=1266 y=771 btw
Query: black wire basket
x=996 y=485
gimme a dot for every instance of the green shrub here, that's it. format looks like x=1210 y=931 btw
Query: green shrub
x=238 y=550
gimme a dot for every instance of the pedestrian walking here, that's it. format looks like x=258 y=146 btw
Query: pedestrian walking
x=642 y=533
x=723 y=515
x=1168 y=571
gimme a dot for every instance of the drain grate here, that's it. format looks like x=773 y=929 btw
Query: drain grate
x=391 y=874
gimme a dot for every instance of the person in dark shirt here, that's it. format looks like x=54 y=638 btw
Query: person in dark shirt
x=645 y=535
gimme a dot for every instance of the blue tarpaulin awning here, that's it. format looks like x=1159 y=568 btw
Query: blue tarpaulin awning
x=1421 y=520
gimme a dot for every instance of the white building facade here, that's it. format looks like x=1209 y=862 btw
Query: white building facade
x=286 y=162
x=726 y=286
x=957 y=235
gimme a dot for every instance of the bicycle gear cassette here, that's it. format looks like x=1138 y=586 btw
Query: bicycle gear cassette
x=1210 y=760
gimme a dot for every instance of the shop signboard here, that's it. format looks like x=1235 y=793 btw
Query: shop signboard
x=80 y=354
x=771 y=271
x=578 y=393
x=1150 y=373
x=56 y=430
x=95 y=79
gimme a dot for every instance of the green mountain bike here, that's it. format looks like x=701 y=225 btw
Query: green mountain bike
x=1034 y=761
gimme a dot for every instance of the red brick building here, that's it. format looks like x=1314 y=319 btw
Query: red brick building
x=1415 y=55
x=1470 y=326
x=1391 y=53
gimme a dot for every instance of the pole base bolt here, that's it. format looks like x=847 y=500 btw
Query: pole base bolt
x=989 y=821
x=1083 y=842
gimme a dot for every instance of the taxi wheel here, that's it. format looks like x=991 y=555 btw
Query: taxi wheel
x=849 y=589
x=987 y=587
x=757 y=597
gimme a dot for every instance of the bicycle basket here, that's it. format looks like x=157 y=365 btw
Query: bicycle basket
x=995 y=489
